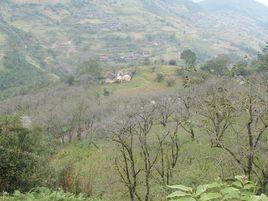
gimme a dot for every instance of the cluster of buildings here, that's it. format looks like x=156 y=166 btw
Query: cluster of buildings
x=120 y=76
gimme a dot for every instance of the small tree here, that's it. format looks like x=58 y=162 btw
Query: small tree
x=172 y=62
x=160 y=77
x=240 y=69
x=171 y=82
x=218 y=65
x=262 y=61
x=106 y=92
x=92 y=68
x=70 y=80
x=189 y=57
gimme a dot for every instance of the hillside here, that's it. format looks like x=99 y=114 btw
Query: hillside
x=42 y=41
x=248 y=8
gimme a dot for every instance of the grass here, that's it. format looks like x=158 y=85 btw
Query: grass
x=2 y=38
x=23 y=25
x=1 y=62
x=91 y=21
x=144 y=81
x=31 y=61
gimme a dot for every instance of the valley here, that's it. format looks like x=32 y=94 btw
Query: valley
x=133 y=100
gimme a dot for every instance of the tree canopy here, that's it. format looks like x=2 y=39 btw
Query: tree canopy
x=218 y=65
x=189 y=57
x=22 y=155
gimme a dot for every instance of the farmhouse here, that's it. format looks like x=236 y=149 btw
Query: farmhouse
x=120 y=76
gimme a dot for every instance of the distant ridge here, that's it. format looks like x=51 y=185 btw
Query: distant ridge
x=250 y=8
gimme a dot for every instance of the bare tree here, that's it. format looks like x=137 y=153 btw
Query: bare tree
x=133 y=133
x=168 y=140
x=243 y=117
x=126 y=164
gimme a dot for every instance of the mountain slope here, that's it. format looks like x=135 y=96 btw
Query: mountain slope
x=51 y=38
x=248 y=8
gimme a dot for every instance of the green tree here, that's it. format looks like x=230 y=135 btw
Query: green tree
x=22 y=155
x=159 y=77
x=218 y=65
x=92 y=68
x=189 y=57
x=262 y=61
x=240 y=68
x=171 y=82
x=70 y=80
x=172 y=62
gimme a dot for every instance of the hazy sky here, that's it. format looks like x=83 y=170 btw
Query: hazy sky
x=264 y=2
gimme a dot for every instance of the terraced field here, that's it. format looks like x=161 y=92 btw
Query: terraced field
x=53 y=38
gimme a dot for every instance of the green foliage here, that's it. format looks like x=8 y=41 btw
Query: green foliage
x=218 y=65
x=190 y=57
x=23 y=154
x=241 y=69
x=262 y=61
x=171 y=82
x=106 y=92
x=19 y=72
x=70 y=80
x=44 y=194
x=239 y=189
x=91 y=67
x=160 y=77
x=172 y=62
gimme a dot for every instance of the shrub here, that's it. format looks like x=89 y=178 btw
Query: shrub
x=160 y=77
x=239 y=189
x=171 y=82
x=23 y=154
x=44 y=194
x=172 y=62
x=70 y=80
x=106 y=92
x=180 y=72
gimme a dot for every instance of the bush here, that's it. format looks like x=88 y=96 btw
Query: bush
x=91 y=68
x=106 y=92
x=180 y=72
x=239 y=189
x=160 y=77
x=23 y=154
x=171 y=82
x=70 y=80
x=44 y=194
x=172 y=62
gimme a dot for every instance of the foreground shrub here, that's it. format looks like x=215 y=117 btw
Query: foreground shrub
x=238 y=190
x=23 y=155
x=44 y=194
